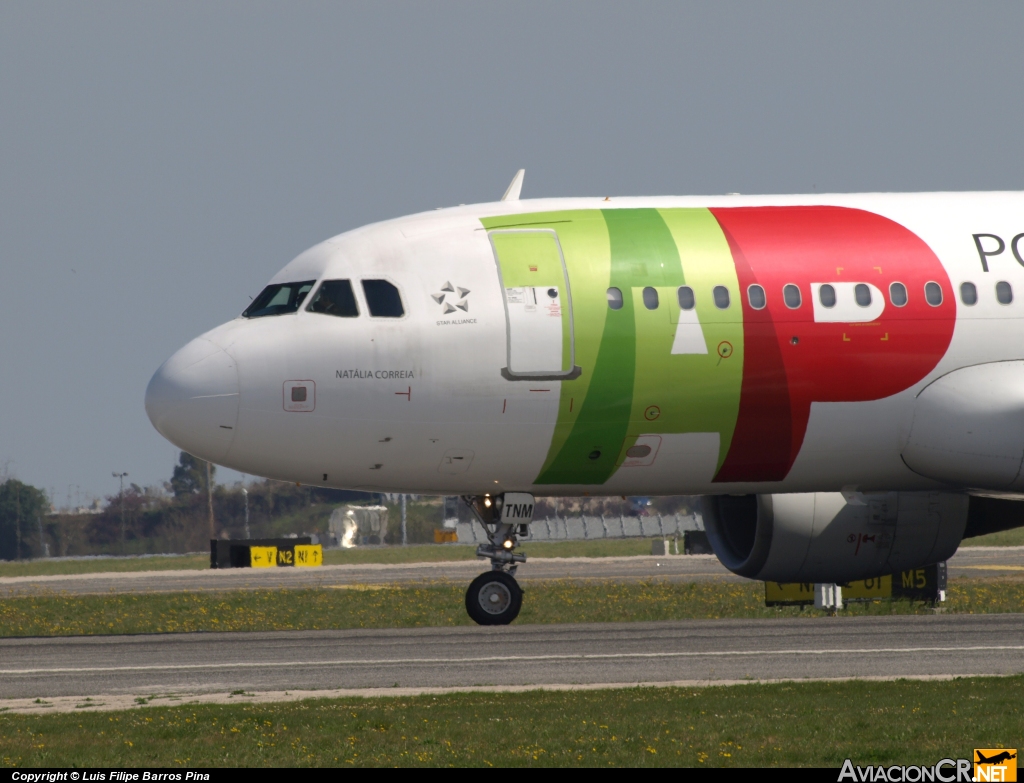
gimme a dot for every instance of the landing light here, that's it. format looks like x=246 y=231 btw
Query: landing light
x=487 y=502
x=508 y=543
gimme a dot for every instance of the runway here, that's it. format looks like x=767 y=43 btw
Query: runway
x=558 y=655
x=968 y=562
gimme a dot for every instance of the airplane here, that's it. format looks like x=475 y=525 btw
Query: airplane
x=839 y=377
x=996 y=759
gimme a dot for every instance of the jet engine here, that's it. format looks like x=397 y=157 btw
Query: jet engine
x=832 y=536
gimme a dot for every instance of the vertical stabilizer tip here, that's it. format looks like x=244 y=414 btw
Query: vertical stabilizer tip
x=515 y=187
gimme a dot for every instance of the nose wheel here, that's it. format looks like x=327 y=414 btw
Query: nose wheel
x=494 y=598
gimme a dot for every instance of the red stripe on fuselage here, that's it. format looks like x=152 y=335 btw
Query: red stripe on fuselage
x=829 y=362
x=761 y=442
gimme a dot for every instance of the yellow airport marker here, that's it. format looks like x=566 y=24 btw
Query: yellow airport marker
x=263 y=556
x=307 y=555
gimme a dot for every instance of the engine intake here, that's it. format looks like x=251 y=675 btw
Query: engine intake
x=832 y=537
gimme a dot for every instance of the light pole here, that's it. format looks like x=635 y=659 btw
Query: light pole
x=121 y=477
x=245 y=494
x=405 y=540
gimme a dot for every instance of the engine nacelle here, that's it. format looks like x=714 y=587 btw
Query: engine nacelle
x=829 y=537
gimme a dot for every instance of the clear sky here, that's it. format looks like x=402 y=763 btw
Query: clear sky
x=160 y=161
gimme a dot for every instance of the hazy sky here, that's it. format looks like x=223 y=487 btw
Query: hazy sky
x=160 y=161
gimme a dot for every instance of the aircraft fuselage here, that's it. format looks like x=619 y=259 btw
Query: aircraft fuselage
x=767 y=344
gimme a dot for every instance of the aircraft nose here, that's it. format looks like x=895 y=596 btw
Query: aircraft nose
x=192 y=400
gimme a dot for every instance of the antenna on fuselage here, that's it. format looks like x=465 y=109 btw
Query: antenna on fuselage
x=515 y=188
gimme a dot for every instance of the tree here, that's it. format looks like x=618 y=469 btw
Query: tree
x=21 y=507
x=190 y=476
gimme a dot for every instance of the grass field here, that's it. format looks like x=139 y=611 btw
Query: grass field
x=786 y=724
x=1006 y=538
x=415 y=553
x=44 y=567
x=363 y=606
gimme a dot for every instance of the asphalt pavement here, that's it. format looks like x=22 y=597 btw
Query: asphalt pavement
x=938 y=645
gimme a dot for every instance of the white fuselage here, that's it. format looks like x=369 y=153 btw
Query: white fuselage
x=419 y=403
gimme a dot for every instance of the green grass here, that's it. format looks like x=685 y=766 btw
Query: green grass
x=786 y=724
x=605 y=547
x=439 y=604
x=1013 y=537
x=414 y=553
x=44 y=567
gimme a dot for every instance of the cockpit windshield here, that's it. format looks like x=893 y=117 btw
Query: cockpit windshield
x=278 y=299
x=335 y=297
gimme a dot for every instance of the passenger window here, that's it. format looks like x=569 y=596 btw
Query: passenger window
x=383 y=299
x=650 y=298
x=278 y=299
x=686 y=300
x=933 y=294
x=755 y=295
x=827 y=296
x=862 y=294
x=898 y=294
x=791 y=296
x=615 y=298
x=1004 y=293
x=335 y=297
x=721 y=296
x=968 y=294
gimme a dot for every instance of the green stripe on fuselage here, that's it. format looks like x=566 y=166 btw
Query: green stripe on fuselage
x=702 y=390
x=641 y=249
x=625 y=355
x=583 y=236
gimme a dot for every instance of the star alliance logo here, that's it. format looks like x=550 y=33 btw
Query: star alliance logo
x=453 y=294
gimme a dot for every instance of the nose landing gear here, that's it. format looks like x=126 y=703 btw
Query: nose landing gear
x=495 y=597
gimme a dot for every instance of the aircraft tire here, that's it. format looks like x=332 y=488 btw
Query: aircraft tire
x=494 y=598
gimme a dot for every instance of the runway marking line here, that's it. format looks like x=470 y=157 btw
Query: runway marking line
x=993 y=567
x=506 y=658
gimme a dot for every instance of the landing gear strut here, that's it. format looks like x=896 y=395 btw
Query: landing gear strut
x=495 y=597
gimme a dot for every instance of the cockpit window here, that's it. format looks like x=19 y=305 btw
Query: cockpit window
x=278 y=299
x=335 y=297
x=383 y=299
